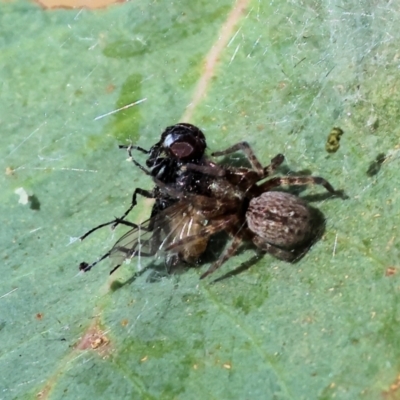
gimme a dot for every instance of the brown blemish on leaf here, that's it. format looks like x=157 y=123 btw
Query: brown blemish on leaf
x=44 y=393
x=110 y=88
x=9 y=171
x=94 y=338
x=89 y=4
x=393 y=391
x=100 y=341
x=390 y=271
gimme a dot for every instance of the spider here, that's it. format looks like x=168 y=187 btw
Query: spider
x=179 y=145
x=276 y=222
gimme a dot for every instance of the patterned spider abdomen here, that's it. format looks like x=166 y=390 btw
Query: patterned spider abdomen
x=280 y=219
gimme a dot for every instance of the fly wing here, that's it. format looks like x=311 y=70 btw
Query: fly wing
x=154 y=236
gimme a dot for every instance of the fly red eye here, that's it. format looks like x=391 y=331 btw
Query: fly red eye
x=181 y=150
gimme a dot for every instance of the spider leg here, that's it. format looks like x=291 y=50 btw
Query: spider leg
x=296 y=181
x=247 y=150
x=230 y=251
x=216 y=170
x=282 y=254
x=275 y=164
x=251 y=157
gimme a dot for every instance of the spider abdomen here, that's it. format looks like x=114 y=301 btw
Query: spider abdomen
x=280 y=219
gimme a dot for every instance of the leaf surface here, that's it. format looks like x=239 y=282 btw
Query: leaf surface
x=326 y=327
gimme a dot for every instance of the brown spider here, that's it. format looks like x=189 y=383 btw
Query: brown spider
x=276 y=222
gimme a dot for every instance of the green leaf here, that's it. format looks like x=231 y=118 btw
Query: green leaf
x=326 y=327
